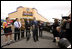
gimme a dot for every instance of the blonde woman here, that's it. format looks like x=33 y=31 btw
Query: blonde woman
x=22 y=27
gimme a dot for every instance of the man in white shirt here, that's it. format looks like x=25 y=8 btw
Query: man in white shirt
x=17 y=26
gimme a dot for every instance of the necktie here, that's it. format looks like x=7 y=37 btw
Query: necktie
x=18 y=24
x=28 y=21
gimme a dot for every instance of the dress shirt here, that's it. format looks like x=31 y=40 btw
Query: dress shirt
x=16 y=25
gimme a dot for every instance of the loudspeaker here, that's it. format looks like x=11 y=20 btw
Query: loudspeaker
x=64 y=43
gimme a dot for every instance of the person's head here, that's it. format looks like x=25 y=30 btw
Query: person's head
x=69 y=20
x=7 y=19
x=56 y=20
x=41 y=22
x=70 y=16
x=17 y=19
x=34 y=18
x=22 y=19
x=64 y=20
x=27 y=19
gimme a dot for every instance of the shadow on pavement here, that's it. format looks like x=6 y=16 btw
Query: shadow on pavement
x=47 y=37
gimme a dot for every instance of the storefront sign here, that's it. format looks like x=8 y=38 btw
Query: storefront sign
x=27 y=14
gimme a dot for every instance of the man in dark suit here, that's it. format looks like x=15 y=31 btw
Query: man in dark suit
x=35 y=30
x=40 y=28
x=27 y=29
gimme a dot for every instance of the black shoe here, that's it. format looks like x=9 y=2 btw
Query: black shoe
x=8 y=44
x=37 y=40
x=15 y=40
x=54 y=40
x=18 y=39
x=22 y=37
x=27 y=39
x=34 y=40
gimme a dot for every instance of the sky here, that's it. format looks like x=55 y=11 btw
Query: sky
x=48 y=9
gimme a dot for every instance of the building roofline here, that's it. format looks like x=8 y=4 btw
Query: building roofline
x=12 y=12
x=23 y=7
x=16 y=10
x=20 y=7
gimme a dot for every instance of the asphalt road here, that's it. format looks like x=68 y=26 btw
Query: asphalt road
x=44 y=42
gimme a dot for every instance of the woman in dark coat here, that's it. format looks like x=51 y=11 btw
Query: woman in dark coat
x=55 y=24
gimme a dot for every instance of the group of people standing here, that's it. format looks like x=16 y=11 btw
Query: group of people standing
x=62 y=30
x=59 y=30
x=20 y=27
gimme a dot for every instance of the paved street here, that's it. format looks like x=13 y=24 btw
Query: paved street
x=44 y=42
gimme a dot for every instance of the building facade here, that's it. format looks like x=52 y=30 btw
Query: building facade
x=24 y=12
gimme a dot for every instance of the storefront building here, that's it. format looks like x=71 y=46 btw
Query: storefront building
x=24 y=12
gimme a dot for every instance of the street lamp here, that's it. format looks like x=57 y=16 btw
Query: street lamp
x=27 y=10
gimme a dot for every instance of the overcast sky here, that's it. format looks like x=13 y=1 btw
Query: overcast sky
x=48 y=9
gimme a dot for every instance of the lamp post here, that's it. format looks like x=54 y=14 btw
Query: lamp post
x=27 y=10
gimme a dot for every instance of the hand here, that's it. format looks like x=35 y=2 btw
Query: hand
x=23 y=27
x=33 y=26
x=8 y=26
x=64 y=30
x=19 y=28
x=11 y=25
x=28 y=27
x=1 y=30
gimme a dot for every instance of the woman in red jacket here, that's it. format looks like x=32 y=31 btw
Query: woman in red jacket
x=7 y=30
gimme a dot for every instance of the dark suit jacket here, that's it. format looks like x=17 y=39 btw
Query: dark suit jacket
x=28 y=24
x=35 y=23
x=41 y=26
x=54 y=29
